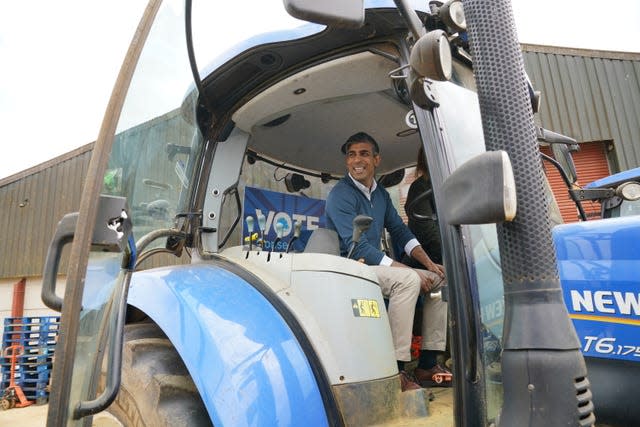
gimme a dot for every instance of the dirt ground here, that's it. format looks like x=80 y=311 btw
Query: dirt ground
x=36 y=416
x=31 y=416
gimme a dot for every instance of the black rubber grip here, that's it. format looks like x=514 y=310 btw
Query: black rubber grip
x=64 y=234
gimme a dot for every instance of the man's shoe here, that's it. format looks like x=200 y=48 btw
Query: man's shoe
x=406 y=383
x=437 y=376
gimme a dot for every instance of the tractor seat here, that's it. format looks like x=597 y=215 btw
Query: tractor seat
x=323 y=241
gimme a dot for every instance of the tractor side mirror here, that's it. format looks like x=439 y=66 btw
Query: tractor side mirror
x=481 y=191
x=563 y=156
x=561 y=146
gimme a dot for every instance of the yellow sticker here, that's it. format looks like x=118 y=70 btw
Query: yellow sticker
x=373 y=308
x=365 y=308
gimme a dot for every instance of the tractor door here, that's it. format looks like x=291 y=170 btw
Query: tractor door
x=141 y=181
x=137 y=180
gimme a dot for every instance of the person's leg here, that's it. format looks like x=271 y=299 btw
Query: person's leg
x=434 y=322
x=402 y=287
x=434 y=337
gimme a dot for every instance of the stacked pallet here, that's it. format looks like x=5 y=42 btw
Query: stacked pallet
x=37 y=336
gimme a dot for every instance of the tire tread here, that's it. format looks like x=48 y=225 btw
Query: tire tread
x=156 y=389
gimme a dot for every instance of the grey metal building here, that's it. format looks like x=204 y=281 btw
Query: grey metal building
x=590 y=95
x=31 y=204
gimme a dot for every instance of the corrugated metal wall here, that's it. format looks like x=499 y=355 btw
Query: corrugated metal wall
x=31 y=204
x=590 y=96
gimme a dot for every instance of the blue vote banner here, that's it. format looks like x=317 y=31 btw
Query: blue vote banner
x=286 y=210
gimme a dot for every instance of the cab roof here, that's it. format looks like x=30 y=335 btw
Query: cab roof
x=301 y=99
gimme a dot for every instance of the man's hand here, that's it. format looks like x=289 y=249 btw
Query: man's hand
x=421 y=256
x=436 y=268
x=429 y=282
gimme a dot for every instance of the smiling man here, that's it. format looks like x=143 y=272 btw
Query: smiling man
x=358 y=194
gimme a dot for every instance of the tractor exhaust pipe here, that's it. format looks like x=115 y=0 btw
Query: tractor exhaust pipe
x=543 y=372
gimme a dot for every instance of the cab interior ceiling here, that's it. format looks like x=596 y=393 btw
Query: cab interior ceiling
x=304 y=119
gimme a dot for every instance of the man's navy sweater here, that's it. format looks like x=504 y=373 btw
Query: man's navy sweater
x=346 y=201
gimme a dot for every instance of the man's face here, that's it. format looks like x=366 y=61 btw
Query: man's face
x=362 y=162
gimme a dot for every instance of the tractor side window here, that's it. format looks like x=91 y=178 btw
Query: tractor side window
x=150 y=165
x=282 y=198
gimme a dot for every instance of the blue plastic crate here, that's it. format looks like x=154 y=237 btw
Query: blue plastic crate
x=29 y=341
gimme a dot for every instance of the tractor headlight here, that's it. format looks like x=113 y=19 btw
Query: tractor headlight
x=431 y=56
x=452 y=14
x=629 y=191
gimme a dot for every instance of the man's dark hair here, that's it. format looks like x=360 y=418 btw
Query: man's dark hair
x=360 y=137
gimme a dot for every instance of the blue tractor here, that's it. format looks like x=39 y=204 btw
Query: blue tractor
x=621 y=193
x=597 y=262
x=201 y=292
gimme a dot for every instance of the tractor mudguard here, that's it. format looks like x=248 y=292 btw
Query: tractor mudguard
x=245 y=360
x=598 y=265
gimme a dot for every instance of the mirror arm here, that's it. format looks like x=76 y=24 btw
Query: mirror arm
x=411 y=17
x=592 y=194
x=550 y=137
x=557 y=165
x=565 y=178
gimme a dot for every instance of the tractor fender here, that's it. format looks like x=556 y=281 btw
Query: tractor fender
x=598 y=267
x=250 y=360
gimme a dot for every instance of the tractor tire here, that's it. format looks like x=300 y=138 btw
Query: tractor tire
x=156 y=389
